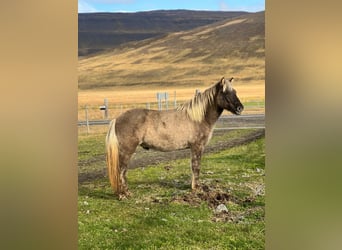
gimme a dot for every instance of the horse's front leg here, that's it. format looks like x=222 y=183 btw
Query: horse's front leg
x=196 y=154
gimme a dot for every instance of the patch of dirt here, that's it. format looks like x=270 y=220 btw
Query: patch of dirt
x=215 y=197
x=212 y=196
x=143 y=157
x=89 y=176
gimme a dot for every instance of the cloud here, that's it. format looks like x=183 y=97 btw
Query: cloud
x=223 y=6
x=85 y=7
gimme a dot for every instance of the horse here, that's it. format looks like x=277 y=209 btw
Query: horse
x=188 y=126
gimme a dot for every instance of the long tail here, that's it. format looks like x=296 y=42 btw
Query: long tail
x=112 y=158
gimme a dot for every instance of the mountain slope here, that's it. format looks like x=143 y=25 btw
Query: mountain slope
x=101 y=31
x=233 y=47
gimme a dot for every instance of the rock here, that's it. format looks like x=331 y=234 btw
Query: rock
x=167 y=168
x=221 y=209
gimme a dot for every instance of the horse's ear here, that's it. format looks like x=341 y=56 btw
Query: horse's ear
x=223 y=84
x=223 y=81
x=226 y=84
x=229 y=84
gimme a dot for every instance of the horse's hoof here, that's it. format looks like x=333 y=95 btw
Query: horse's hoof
x=195 y=186
x=124 y=196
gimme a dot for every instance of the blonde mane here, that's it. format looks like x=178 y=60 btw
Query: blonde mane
x=197 y=106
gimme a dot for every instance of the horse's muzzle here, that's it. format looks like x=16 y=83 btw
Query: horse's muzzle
x=239 y=109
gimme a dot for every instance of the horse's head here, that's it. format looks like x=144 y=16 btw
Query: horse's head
x=227 y=98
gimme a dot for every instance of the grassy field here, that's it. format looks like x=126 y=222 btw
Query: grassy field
x=164 y=214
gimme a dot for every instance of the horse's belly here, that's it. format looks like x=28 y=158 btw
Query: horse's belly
x=165 y=142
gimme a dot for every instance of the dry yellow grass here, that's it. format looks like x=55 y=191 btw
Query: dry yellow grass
x=133 y=68
x=181 y=58
x=205 y=31
x=162 y=76
x=122 y=98
x=183 y=62
x=134 y=95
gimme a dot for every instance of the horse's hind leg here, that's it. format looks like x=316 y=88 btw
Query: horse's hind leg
x=123 y=161
x=124 y=158
x=124 y=193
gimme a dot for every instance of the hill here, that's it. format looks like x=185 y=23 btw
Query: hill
x=101 y=31
x=233 y=47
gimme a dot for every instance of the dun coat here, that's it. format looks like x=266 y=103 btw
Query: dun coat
x=189 y=126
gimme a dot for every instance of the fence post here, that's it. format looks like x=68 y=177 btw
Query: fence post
x=159 y=101
x=105 y=101
x=87 y=120
x=166 y=100
x=160 y=98
x=175 y=99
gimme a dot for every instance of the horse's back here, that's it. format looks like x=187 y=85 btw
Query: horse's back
x=129 y=126
x=132 y=117
x=160 y=130
x=168 y=130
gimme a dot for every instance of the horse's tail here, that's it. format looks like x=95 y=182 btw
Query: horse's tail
x=112 y=158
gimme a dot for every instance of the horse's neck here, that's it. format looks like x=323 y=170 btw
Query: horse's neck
x=212 y=114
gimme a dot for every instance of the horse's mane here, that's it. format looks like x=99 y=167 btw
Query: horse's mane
x=197 y=106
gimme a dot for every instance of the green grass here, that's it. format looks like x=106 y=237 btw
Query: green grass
x=254 y=104
x=163 y=213
x=91 y=146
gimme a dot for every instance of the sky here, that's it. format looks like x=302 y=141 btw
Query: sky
x=147 y=5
